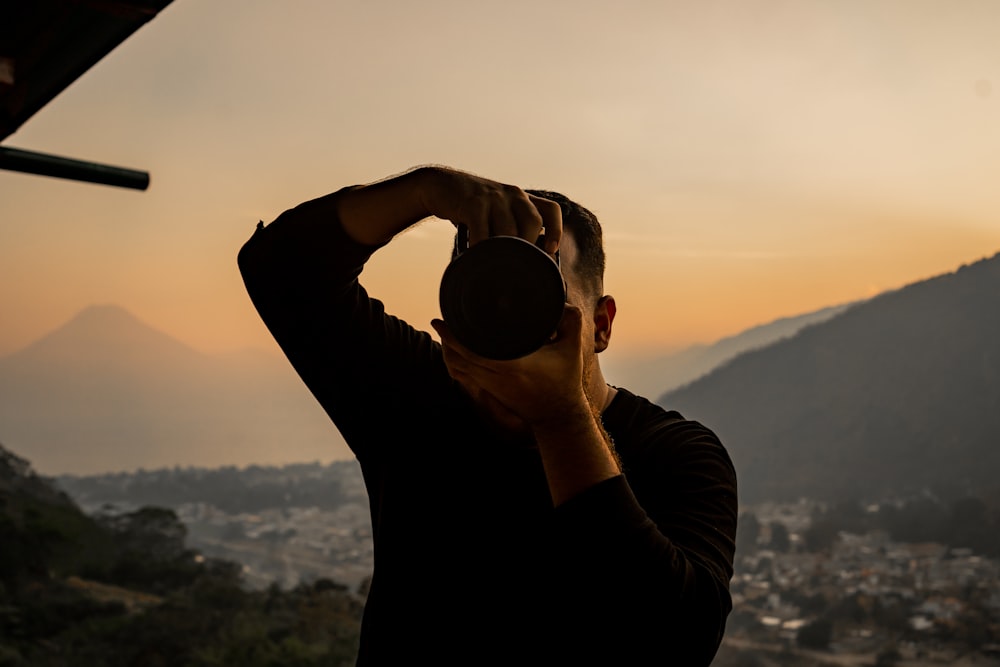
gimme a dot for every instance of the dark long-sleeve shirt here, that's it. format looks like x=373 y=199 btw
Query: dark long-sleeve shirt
x=473 y=565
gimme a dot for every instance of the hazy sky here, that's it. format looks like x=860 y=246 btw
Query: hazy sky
x=750 y=159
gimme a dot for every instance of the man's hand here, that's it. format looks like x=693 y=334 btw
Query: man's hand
x=543 y=387
x=373 y=214
x=545 y=392
x=489 y=208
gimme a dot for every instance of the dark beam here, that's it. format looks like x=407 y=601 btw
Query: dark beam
x=43 y=164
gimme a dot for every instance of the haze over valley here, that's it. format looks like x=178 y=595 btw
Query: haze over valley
x=898 y=392
x=106 y=392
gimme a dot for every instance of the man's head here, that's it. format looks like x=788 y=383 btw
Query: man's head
x=588 y=263
x=581 y=261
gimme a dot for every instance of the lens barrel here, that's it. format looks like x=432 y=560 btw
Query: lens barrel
x=503 y=297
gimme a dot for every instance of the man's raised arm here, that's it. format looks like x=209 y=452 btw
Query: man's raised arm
x=373 y=214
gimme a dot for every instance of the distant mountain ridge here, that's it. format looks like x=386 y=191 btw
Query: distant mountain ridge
x=106 y=334
x=897 y=394
x=107 y=392
x=652 y=377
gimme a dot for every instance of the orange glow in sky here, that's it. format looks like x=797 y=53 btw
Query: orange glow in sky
x=750 y=159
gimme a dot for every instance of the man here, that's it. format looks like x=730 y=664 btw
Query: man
x=523 y=512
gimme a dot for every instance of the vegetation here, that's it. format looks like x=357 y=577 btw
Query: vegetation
x=967 y=523
x=230 y=489
x=893 y=396
x=123 y=590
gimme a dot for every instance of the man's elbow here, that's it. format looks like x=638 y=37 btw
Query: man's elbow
x=702 y=627
x=249 y=255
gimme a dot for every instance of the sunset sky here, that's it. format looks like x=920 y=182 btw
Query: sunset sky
x=749 y=159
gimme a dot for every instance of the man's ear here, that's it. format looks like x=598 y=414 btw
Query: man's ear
x=604 y=315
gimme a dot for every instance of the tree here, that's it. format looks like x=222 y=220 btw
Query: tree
x=816 y=635
x=747 y=532
x=969 y=525
x=154 y=531
x=888 y=657
x=821 y=535
x=781 y=541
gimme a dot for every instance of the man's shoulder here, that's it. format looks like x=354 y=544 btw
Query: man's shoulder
x=641 y=428
x=637 y=415
x=671 y=461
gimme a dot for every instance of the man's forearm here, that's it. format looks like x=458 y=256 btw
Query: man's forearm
x=576 y=454
x=373 y=214
x=369 y=214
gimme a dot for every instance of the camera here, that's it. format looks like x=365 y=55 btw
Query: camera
x=503 y=297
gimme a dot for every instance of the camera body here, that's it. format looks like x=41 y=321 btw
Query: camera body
x=503 y=297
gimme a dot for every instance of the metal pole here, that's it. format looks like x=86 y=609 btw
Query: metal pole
x=14 y=159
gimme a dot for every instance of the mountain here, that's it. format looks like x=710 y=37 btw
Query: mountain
x=898 y=394
x=655 y=376
x=107 y=392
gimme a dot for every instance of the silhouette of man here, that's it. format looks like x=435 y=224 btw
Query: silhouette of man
x=524 y=511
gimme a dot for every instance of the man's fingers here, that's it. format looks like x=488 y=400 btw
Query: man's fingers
x=528 y=218
x=571 y=323
x=463 y=366
x=510 y=213
x=551 y=220
x=454 y=352
x=489 y=208
x=478 y=222
x=442 y=330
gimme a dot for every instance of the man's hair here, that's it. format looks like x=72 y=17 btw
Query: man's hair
x=586 y=231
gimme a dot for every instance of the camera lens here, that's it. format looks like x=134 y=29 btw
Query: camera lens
x=503 y=297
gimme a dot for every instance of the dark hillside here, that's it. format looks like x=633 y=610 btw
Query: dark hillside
x=655 y=376
x=42 y=531
x=897 y=394
x=124 y=590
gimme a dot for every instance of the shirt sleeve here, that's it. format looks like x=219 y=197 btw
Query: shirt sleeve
x=669 y=558
x=302 y=277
